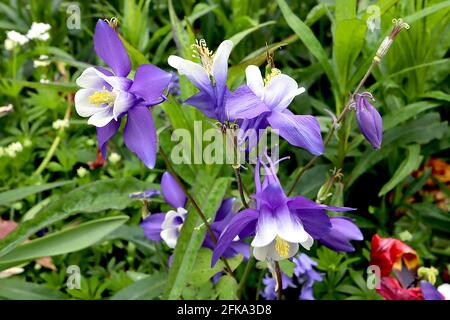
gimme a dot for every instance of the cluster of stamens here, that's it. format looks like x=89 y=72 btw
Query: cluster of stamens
x=282 y=247
x=102 y=97
x=273 y=72
x=206 y=56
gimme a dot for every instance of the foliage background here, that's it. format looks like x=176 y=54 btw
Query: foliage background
x=324 y=45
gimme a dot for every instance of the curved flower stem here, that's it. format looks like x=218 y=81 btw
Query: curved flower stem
x=57 y=140
x=248 y=267
x=333 y=127
x=237 y=172
x=279 y=281
x=195 y=205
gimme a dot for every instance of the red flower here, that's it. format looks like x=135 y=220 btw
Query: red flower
x=391 y=289
x=390 y=253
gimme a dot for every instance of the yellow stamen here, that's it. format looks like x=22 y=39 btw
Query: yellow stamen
x=282 y=247
x=273 y=72
x=102 y=97
x=205 y=55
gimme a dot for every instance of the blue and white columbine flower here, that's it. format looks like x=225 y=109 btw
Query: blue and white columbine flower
x=210 y=77
x=280 y=223
x=106 y=97
x=264 y=102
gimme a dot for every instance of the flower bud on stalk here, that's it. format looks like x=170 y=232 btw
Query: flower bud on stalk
x=369 y=120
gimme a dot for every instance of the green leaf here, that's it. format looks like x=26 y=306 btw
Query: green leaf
x=93 y=197
x=348 y=43
x=241 y=35
x=345 y=10
x=227 y=288
x=15 y=289
x=147 y=288
x=209 y=193
x=427 y=11
x=309 y=40
x=202 y=271
x=65 y=241
x=20 y=193
x=411 y=163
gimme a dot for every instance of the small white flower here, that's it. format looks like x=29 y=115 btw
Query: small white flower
x=60 y=123
x=90 y=142
x=39 y=31
x=12 y=149
x=82 y=172
x=14 y=39
x=114 y=157
x=44 y=80
x=42 y=62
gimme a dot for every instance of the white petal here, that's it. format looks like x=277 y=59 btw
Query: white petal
x=255 y=80
x=280 y=87
x=102 y=118
x=308 y=243
x=123 y=102
x=170 y=236
x=289 y=227
x=91 y=79
x=193 y=71
x=220 y=62
x=169 y=219
x=288 y=99
x=82 y=105
x=260 y=253
x=266 y=229
x=444 y=289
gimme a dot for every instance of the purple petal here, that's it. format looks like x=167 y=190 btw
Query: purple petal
x=429 y=291
x=105 y=133
x=110 y=49
x=299 y=202
x=272 y=196
x=140 y=135
x=244 y=104
x=300 y=131
x=238 y=247
x=150 y=83
x=152 y=226
x=342 y=231
x=225 y=209
x=236 y=225
x=204 y=102
x=369 y=121
x=316 y=222
x=172 y=192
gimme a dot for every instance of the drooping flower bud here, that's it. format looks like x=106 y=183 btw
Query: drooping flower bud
x=369 y=120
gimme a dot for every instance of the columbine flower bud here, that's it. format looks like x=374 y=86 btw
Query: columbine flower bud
x=369 y=120
x=428 y=274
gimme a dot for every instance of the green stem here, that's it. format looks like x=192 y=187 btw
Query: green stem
x=279 y=281
x=340 y=119
x=247 y=270
x=55 y=143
